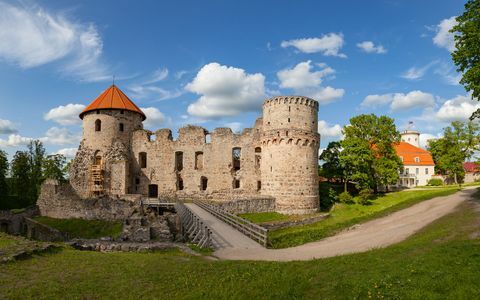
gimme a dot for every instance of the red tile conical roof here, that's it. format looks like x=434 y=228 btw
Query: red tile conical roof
x=112 y=98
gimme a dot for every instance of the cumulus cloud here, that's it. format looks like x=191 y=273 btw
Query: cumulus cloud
x=329 y=44
x=443 y=37
x=225 y=91
x=329 y=131
x=15 y=140
x=400 y=101
x=155 y=117
x=67 y=152
x=65 y=115
x=32 y=37
x=306 y=81
x=7 y=127
x=369 y=47
x=459 y=108
x=425 y=138
x=60 y=136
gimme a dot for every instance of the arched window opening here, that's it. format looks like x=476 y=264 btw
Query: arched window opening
x=98 y=125
x=236 y=155
x=203 y=183
x=142 y=157
x=97 y=159
x=258 y=157
x=178 y=161
x=121 y=127
x=199 y=160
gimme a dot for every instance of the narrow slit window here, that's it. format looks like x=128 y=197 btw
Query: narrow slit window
x=98 y=125
x=236 y=155
x=121 y=127
x=178 y=161
x=143 y=159
x=199 y=160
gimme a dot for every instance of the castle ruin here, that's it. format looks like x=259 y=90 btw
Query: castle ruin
x=277 y=158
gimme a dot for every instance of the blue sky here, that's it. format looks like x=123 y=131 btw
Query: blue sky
x=212 y=63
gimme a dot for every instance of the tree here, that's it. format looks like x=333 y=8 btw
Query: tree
x=466 y=55
x=21 y=175
x=3 y=179
x=332 y=168
x=368 y=151
x=36 y=153
x=54 y=167
x=459 y=142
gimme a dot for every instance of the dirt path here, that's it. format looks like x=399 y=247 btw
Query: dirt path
x=377 y=233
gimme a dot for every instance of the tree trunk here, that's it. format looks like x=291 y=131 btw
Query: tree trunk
x=455 y=178
x=345 y=186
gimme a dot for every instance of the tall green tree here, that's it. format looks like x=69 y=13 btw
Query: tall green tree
x=4 y=193
x=21 y=175
x=459 y=142
x=332 y=169
x=466 y=55
x=54 y=167
x=36 y=153
x=369 y=153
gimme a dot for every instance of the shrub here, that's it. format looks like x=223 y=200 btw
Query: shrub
x=435 y=182
x=364 y=195
x=345 y=197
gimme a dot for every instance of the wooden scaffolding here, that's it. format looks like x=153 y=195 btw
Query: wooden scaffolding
x=95 y=181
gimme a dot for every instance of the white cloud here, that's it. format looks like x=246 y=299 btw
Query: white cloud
x=425 y=138
x=32 y=37
x=155 y=117
x=444 y=38
x=329 y=44
x=65 y=115
x=158 y=75
x=301 y=76
x=60 y=136
x=415 y=73
x=307 y=82
x=329 y=131
x=67 y=152
x=459 y=108
x=448 y=73
x=225 y=91
x=7 y=127
x=15 y=140
x=369 y=47
x=153 y=92
x=413 y=99
x=235 y=126
x=400 y=101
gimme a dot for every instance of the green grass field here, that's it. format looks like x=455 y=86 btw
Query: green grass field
x=441 y=261
x=345 y=215
x=264 y=217
x=79 y=228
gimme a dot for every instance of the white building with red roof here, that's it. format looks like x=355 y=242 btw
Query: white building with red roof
x=418 y=165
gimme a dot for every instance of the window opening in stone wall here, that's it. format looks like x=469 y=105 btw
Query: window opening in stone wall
x=236 y=155
x=289 y=109
x=259 y=185
x=199 y=160
x=142 y=157
x=121 y=127
x=98 y=112
x=288 y=120
x=236 y=184
x=98 y=125
x=208 y=138
x=153 y=191
x=258 y=157
x=137 y=180
x=179 y=183
x=203 y=183
x=122 y=112
x=178 y=161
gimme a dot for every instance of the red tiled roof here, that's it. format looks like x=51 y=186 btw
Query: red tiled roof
x=112 y=98
x=471 y=167
x=409 y=152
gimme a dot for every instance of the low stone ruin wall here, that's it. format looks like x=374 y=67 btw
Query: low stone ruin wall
x=59 y=200
x=243 y=206
x=42 y=232
x=13 y=223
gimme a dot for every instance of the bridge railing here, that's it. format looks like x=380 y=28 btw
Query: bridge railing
x=252 y=230
x=194 y=228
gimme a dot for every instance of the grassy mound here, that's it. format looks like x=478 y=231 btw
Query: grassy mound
x=80 y=228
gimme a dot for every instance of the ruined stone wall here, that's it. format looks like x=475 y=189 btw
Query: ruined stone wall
x=60 y=201
x=290 y=143
x=202 y=156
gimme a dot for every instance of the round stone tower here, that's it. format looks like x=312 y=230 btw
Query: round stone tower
x=109 y=118
x=290 y=143
x=412 y=137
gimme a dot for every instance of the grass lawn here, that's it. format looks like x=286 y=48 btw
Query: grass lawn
x=441 y=261
x=80 y=228
x=6 y=240
x=346 y=215
x=264 y=217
